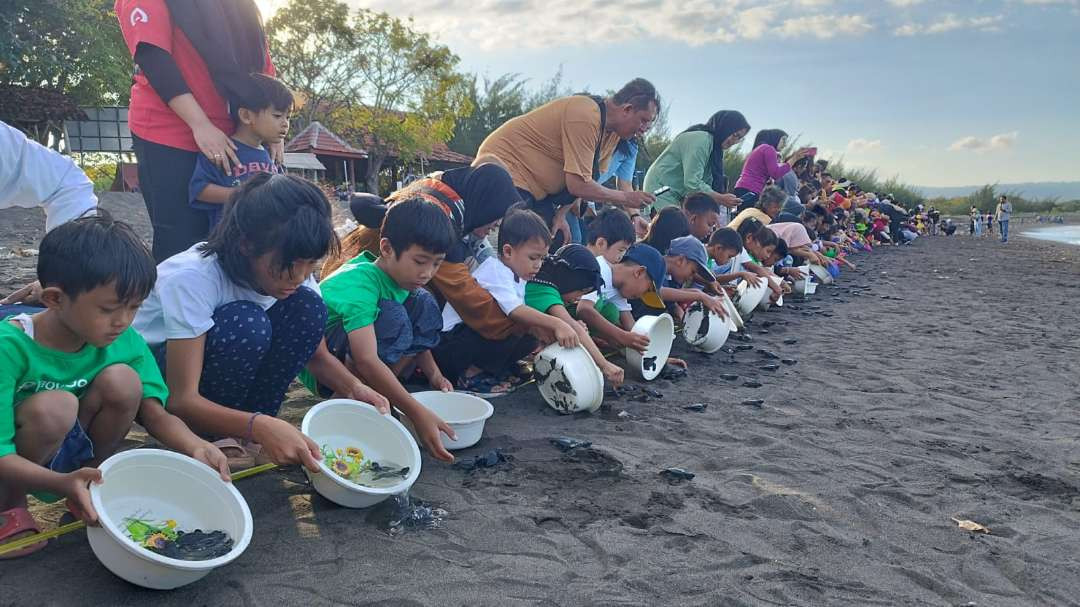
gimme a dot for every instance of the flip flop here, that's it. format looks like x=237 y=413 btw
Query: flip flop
x=15 y=521
x=240 y=457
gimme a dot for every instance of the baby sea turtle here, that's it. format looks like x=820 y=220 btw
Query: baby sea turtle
x=751 y=383
x=788 y=361
x=677 y=474
x=653 y=393
x=744 y=347
x=791 y=341
x=768 y=355
x=699 y=407
x=753 y=402
x=648 y=363
x=770 y=367
x=565 y=443
x=671 y=373
x=490 y=459
x=728 y=376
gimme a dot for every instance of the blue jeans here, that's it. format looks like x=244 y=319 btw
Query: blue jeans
x=1004 y=225
x=575 y=222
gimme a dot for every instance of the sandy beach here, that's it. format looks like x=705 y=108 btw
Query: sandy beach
x=929 y=385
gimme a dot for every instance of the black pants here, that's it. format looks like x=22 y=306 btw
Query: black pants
x=749 y=199
x=164 y=177
x=463 y=347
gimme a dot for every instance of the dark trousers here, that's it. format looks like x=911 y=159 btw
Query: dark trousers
x=749 y=199
x=164 y=176
x=251 y=355
x=463 y=347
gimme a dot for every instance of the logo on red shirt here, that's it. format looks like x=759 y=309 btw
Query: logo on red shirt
x=138 y=15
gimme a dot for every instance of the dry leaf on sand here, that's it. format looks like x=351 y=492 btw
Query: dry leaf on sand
x=971 y=526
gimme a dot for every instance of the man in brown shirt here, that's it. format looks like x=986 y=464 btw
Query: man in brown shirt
x=555 y=152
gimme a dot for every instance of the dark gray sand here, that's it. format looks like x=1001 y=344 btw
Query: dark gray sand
x=955 y=397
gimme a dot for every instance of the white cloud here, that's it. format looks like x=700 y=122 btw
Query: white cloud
x=905 y=3
x=856 y=146
x=950 y=22
x=1001 y=141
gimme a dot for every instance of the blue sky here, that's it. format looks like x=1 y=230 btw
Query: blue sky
x=940 y=92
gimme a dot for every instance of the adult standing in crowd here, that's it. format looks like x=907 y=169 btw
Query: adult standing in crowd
x=762 y=164
x=556 y=152
x=694 y=162
x=1004 y=212
x=192 y=58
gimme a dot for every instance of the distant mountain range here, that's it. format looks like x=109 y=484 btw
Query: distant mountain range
x=1062 y=190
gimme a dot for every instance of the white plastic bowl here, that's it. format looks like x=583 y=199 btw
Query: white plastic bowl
x=704 y=330
x=465 y=413
x=735 y=321
x=749 y=298
x=661 y=333
x=801 y=288
x=822 y=273
x=568 y=379
x=765 y=303
x=342 y=423
x=161 y=485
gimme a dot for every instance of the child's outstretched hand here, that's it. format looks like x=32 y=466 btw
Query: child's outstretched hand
x=714 y=305
x=283 y=443
x=428 y=426
x=751 y=278
x=637 y=341
x=366 y=394
x=213 y=457
x=613 y=373
x=439 y=382
x=566 y=336
x=76 y=489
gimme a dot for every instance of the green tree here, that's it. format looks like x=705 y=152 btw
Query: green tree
x=315 y=52
x=70 y=46
x=498 y=101
x=410 y=94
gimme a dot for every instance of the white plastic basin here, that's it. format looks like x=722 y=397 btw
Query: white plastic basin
x=340 y=423
x=765 y=302
x=801 y=288
x=704 y=330
x=661 y=333
x=749 y=298
x=568 y=379
x=465 y=413
x=159 y=485
x=735 y=321
x=822 y=273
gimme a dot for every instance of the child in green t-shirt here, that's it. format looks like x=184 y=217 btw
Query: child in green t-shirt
x=563 y=279
x=74 y=376
x=381 y=321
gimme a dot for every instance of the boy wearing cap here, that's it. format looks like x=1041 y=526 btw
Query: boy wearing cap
x=607 y=312
x=687 y=264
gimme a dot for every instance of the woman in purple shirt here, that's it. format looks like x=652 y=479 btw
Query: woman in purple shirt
x=763 y=164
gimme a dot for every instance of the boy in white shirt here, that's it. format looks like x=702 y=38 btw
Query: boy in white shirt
x=485 y=366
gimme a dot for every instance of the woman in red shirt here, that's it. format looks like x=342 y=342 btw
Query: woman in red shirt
x=191 y=58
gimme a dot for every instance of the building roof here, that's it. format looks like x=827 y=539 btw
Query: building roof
x=317 y=139
x=441 y=153
x=303 y=160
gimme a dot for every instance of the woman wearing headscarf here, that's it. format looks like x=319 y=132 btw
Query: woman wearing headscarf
x=762 y=164
x=475 y=199
x=694 y=161
x=192 y=58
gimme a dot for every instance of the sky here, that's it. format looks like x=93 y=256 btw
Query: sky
x=939 y=92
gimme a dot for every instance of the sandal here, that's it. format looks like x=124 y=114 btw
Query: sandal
x=15 y=521
x=483 y=385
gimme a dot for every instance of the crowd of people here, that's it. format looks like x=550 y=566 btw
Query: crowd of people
x=452 y=282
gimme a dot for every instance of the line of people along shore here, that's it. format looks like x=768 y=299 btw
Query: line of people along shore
x=199 y=340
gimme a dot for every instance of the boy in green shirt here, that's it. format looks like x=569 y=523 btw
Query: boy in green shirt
x=74 y=377
x=563 y=279
x=381 y=321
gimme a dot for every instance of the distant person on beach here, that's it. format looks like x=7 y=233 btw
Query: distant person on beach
x=694 y=162
x=32 y=175
x=976 y=222
x=556 y=152
x=192 y=59
x=1004 y=212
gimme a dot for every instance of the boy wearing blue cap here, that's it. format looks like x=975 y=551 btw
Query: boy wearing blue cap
x=607 y=312
x=688 y=265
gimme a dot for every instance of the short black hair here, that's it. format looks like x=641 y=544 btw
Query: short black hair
x=726 y=238
x=416 y=221
x=613 y=225
x=757 y=230
x=670 y=223
x=639 y=93
x=521 y=226
x=89 y=252
x=262 y=92
x=781 y=247
x=699 y=203
x=281 y=214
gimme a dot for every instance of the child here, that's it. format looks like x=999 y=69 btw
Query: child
x=262 y=119
x=702 y=213
x=666 y=226
x=381 y=321
x=563 y=280
x=724 y=245
x=611 y=234
x=482 y=365
x=74 y=376
x=233 y=320
x=687 y=264
x=607 y=312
